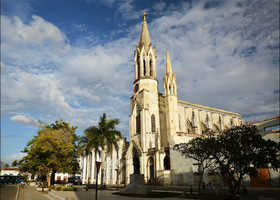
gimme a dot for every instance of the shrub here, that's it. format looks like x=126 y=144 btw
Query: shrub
x=58 y=188
x=69 y=189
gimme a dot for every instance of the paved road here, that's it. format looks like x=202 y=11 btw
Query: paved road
x=8 y=191
x=30 y=193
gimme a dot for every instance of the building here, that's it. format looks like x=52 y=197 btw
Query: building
x=158 y=121
x=112 y=169
x=266 y=177
x=10 y=171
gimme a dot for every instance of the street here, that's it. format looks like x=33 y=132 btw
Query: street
x=8 y=191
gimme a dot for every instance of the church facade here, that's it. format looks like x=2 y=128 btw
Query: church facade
x=157 y=122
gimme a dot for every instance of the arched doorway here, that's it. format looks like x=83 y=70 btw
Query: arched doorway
x=136 y=162
x=151 y=169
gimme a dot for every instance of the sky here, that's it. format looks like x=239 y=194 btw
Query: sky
x=73 y=59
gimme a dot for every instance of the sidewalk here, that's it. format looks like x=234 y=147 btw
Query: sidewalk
x=30 y=193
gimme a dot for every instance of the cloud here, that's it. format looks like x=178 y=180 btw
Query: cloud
x=222 y=56
x=222 y=52
x=37 y=32
x=73 y=85
x=11 y=158
x=24 y=119
x=31 y=44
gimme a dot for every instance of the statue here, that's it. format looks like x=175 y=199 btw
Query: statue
x=136 y=164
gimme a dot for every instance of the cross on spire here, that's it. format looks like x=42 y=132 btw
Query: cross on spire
x=144 y=16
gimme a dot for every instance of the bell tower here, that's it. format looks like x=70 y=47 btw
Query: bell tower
x=144 y=121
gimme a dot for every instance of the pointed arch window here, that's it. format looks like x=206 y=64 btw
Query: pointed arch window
x=207 y=121
x=138 y=121
x=138 y=67
x=166 y=160
x=231 y=122
x=193 y=119
x=220 y=123
x=144 y=67
x=153 y=123
x=179 y=119
x=151 y=67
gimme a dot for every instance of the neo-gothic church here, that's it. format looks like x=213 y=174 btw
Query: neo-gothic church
x=157 y=122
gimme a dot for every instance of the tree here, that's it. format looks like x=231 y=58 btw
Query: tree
x=4 y=165
x=105 y=135
x=241 y=150
x=237 y=151
x=52 y=149
x=197 y=149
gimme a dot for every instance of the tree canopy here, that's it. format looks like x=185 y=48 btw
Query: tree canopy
x=100 y=137
x=235 y=152
x=197 y=149
x=105 y=134
x=52 y=149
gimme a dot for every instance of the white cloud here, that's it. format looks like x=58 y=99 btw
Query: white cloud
x=211 y=53
x=37 y=32
x=222 y=53
x=24 y=119
x=11 y=158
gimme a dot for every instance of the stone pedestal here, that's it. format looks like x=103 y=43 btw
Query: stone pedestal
x=136 y=185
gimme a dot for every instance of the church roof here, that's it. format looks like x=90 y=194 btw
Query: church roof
x=207 y=108
x=145 y=36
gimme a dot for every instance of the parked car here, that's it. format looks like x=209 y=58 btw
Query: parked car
x=76 y=180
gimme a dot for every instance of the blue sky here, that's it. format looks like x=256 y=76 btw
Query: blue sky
x=72 y=59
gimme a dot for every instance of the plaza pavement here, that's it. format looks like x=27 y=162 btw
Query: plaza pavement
x=30 y=193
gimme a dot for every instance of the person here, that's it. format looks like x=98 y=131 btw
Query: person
x=22 y=184
x=203 y=185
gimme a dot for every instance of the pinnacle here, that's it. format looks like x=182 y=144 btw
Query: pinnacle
x=168 y=64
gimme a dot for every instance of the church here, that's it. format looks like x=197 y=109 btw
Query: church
x=157 y=122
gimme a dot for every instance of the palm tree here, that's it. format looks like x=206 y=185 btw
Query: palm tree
x=105 y=135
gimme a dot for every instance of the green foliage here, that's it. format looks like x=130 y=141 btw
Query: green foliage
x=234 y=152
x=53 y=148
x=58 y=188
x=197 y=149
x=3 y=165
x=103 y=135
x=69 y=189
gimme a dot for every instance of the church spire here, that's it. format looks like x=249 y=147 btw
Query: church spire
x=145 y=55
x=145 y=36
x=169 y=79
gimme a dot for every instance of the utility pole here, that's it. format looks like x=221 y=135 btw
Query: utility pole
x=97 y=171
